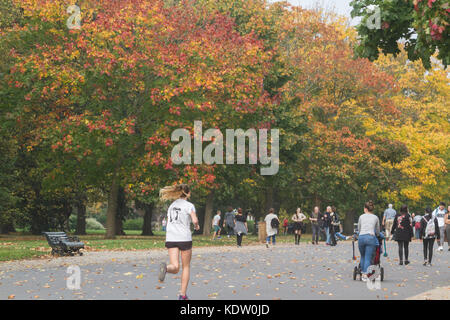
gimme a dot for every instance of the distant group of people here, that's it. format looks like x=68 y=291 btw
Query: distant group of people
x=433 y=225
x=181 y=213
x=234 y=223
x=402 y=227
x=328 y=223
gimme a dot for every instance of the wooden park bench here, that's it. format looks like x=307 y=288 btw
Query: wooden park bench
x=64 y=245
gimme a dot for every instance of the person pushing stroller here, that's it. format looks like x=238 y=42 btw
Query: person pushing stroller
x=368 y=235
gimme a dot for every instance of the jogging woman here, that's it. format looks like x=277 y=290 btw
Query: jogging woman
x=369 y=229
x=240 y=227
x=429 y=231
x=178 y=236
x=298 y=218
x=403 y=232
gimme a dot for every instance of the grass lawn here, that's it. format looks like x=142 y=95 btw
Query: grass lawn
x=17 y=246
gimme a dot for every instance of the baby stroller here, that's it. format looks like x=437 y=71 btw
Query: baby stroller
x=376 y=259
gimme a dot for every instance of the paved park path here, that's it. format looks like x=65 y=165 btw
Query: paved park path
x=255 y=272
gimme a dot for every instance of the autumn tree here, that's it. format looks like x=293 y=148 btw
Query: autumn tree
x=420 y=25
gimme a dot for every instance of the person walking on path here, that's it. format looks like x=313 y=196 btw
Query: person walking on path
x=416 y=221
x=447 y=227
x=215 y=225
x=228 y=222
x=326 y=218
x=298 y=218
x=369 y=230
x=388 y=220
x=315 y=218
x=272 y=224
x=164 y=224
x=403 y=232
x=429 y=231
x=285 y=225
x=334 y=226
x=180 y=215
x=240 y=221
x=439 y=214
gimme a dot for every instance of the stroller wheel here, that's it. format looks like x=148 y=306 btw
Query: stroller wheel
x=355 y=272
x=381 y=273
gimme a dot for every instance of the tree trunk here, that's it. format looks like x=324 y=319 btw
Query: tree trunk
x=148 y=214
x=316 y=201
x=81 y=218
x=269 y=200
x=348 y=222
x=111 y=212
x=67 y=208
x=122 y=211
x=119 y=226
x=7 y=228
x=208 y=214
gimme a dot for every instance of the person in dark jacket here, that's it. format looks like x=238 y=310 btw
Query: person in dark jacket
x=240 y=228
x=334 y=226
x=403 y=232
x=326 y=223
x=428 y=236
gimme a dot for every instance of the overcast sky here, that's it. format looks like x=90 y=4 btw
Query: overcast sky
x=339 y=6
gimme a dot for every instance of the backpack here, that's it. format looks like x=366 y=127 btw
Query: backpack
x=274 y=223
x=430 y=228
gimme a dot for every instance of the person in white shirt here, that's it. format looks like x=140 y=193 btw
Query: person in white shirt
x=215 y=225
x=270 y=230
x=180 y=215
x=439 y=214
x=369 y=229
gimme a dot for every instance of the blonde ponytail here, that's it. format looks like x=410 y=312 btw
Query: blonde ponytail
x=174 y=192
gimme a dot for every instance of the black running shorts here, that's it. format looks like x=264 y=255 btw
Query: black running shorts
x=182 y=245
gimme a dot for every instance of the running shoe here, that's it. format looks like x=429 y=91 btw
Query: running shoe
x=406 y=262
x=425 y=263
x=441 y=248
x=162 y=271
x=401 y=263
x=364 y=278
x=180 y=297
x=267 y=245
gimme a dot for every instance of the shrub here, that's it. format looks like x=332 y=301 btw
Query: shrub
x=91 y=223
x=133 y=224
x=251 y=226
